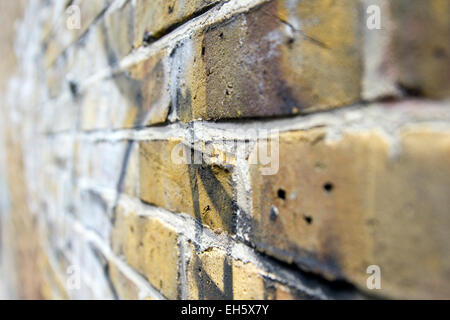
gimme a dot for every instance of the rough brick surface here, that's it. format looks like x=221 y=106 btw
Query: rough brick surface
x=154 y=18
x=212 y=274
x=134 y=162
x=151 y=248
x=201 y=190
x=274 y=60
x=344 y=205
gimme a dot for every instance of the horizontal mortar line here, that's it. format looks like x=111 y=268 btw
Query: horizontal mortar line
x=215 y=14
x=53 y=263
x=187 y=226
x=67 y=96
x=126 y=270
x=355 y=117
x=184 y=31
x=56 y=22
x=107 y=10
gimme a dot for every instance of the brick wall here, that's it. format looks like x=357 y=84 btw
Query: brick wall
x=212 y=149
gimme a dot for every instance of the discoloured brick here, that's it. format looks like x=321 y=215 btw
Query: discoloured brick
x=134 y=98
x=118 y=30
x=278 y=59
x=62 y=37
x=125 y=288
x=214 y=274
x=410 y=54
x=366 y=185
x=350 y=203
x=420 y=45
x=150 y=247
x=103 y=45
x=93 y=162
x=153 y=77
x=201 y=190
x=154 y=17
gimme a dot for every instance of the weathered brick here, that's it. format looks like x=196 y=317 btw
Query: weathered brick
x=274 y=60
x=349 y=203
x=214 y=274
x=150 y=247
x=112 y=165
x=410 y=54
x=105 y=43
x=51 y=284
x=63 y=37
x=203 y=191
x=125 y=288
x=153 y=76
x=118 y=30
x=154 y=17
x=136 y=97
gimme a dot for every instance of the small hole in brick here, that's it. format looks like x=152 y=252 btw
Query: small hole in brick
x=206 y=209
x=273 y=213
x=290 y=42
x=328 y=187
x=221 y=35
x=281 y=194
x=308 y=219
x=203 y=51
x=73 y=88
x=170 y=9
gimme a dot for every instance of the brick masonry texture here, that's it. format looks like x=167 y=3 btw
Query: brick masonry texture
x=132 y=149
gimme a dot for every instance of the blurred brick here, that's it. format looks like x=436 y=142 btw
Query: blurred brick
x=150 y=247
x=62 y=37
x=154 y=17
x=410 y=54
x=133 y=98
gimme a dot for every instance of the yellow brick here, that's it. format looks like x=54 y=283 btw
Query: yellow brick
x=347 y=204
x=202 y=191
x=124 y=287
x=63 y=37
x=150 y=247
x=420 y=46
x=212 y=274
x=256 y=64
x=154 y=17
